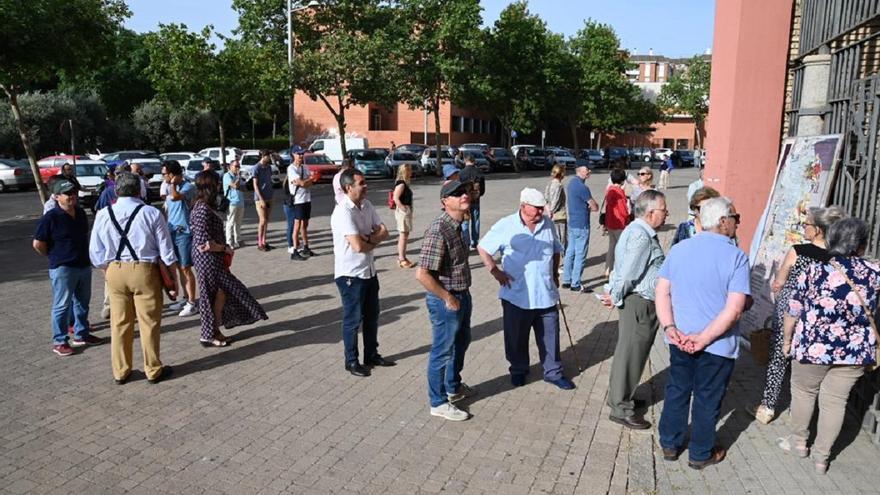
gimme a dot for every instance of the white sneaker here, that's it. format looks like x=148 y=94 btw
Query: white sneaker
x=177 y=306
x=464 y=391
x=291 y=250
x=450 y=412
x=189 y=309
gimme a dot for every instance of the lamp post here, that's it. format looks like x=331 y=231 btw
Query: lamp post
x=290 y=53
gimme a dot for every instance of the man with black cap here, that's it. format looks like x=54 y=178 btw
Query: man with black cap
x=63 y=236
x=446 y=275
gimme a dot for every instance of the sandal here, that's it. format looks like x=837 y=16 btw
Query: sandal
x=762 y=413
x=404 y=263
x=821 y=467
x=213 y=343
x=786 y=444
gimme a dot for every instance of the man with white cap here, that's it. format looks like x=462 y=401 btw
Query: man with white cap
x=529 y=278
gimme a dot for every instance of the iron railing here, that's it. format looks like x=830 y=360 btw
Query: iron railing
x=826 y=20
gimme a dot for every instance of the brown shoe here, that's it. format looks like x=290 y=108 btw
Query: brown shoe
x=634 y=422
x=718 y=454
x=672 y=454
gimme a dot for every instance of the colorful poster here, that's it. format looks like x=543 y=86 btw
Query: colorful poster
x=804 y=178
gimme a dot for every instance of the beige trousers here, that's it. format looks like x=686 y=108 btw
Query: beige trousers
x=135 y=291
x=233 y=224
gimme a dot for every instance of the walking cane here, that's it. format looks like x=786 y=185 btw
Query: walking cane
x=568 y=330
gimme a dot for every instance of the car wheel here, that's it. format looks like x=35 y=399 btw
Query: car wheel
x=647 y=158
x=2 y=187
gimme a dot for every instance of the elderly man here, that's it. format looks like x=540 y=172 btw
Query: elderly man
x=445 y=273
x=529 y=278
x=136 y=169
x=357 y=230
x=128 y=240
x=637 y=259
x=63 y=236
x=580 y=204
x=470 y=173
x=702 y=291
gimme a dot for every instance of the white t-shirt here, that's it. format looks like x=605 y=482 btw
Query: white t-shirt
x=300 y=194
x=338 y=193
x=163 y=190
x=348 y=219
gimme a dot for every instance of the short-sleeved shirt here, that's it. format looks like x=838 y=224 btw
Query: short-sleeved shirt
x=263 y=175
x=338 y=193
x=300 y=194
x=616 y=209
x=445 y=252
x=235 y=196
x=578 y=203
x=178 y=210
x=349 y=219
x=528 y=258
x=702 y=271
x=67 y=238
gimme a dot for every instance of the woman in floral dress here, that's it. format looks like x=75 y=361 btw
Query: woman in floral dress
x=223 y=299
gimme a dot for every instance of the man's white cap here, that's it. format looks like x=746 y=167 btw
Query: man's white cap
x=532 y=197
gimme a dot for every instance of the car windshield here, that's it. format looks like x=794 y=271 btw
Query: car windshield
x=91 y=170
x=318 y=160
x=536 y=152
x=500 y=153
x=403 y=156
x=562 y=153
x=250 y=159
x=176 y=157
x=594 y=153
x=433 y=153
x=136 y=154
x=194 y=165
x=150 y=168
x=368 y=155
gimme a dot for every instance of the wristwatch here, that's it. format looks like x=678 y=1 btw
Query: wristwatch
x=666 y=327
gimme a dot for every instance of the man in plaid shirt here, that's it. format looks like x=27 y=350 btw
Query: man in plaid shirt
x=446 y=275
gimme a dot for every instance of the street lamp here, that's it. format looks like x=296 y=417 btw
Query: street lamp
x=290 y=11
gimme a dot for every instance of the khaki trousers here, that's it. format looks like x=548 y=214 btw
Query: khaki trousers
x=135 y=291
x=635 y=336
x=233 y=224
x=832 y=384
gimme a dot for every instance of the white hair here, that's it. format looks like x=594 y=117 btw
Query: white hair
x=713 y=210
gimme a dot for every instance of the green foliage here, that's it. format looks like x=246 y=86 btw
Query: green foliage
x=687 y=92
x=164 y=127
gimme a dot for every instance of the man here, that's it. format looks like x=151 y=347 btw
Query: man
x=470 y=173
x=67 y=172
x=665 y=169
x=702 y=291
x=698 y=158
x=136 y=169
x=233 y=189
x=262 y=183
x=357 y=230
x=529 y=278
x=445 y=273
x=207 y=165
x=338 y=193
x=450 y=172
x=178 y=205
x=580 y=204
x=128 y=240
x=637 y=259
x=299 y=183
x=693 y=187
x=63 y=236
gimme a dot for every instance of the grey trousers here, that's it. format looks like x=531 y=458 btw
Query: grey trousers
x=635 y=336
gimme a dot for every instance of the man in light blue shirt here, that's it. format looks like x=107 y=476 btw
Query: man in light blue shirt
x=178 y=205
x=233 y=190
x=702 y=291
x=529 y=278
x=580 y=204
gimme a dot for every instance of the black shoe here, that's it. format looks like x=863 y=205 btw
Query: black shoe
x=296 y=256
x=574 y=289
x=378 y=360
x=164 y=374
x=640 y=404
x=306 y=251
x=634 y=422
x=356 y=369
x=566 y=286
x=717 y=455
x=585 y=290
x=518 y=380
x=672 y=454
x=122 y=381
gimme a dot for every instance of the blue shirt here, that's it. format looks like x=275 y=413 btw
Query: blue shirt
x=637 y=261
x=702 y=271
x=263 y=175
x=578 y=203
x=527 y=257
x=235 y=196
x=178 y=210
x=67 y=238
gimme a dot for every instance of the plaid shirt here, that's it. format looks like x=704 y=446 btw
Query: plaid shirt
x=445 y=253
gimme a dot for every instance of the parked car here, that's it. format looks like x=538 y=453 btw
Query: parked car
x=662 y=153
x=481 y=147
x=232 y=153
x=416 y=149
x=532 y=158
x=332 y=147
x=429 y=159
x=500 y=158
x=180 y=156
x=398 y=158
x=320 y=165
x=683 y=158
x=249 y=159
x=560 y=156
x=480 y=160
x=90 y=174
x=514 y=150
x=15 y=174
x=193 y=166
x=131 y=156
x=594 y=158
x=641 y=154
x=614 y=154
x=51 y=165
x=371 y=162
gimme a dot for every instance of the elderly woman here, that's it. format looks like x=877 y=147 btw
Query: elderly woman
x=831 y=336
x=555 y=195
x=403 y=212
x=645 y=181
x=617 y=211
x=784 y=284
x=691 y=226
x=223 y=299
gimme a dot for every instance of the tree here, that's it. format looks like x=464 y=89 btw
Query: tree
x=687 y=92
x=566 y=96
x=80 y=30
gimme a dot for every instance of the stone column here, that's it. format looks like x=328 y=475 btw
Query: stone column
x=814 y=95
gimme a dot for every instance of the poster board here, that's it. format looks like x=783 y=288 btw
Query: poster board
x=804 y=179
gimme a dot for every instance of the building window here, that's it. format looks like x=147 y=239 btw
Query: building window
x=375 y=120
x=681 y=144
x=456 y=123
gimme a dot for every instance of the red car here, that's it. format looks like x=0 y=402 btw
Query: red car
x=51 y=165
x=321 y=166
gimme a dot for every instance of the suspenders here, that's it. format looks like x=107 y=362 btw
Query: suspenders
x=123 y=233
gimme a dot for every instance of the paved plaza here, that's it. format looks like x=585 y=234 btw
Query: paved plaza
x=277 y=413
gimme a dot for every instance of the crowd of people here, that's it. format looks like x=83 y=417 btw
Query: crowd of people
x=695 y=293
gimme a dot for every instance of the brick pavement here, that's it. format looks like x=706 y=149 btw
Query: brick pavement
x=276 y=412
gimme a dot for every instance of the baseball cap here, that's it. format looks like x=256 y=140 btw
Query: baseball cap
x=62 y=186
x=449 y=187
x=532 y=197
x=449 y=170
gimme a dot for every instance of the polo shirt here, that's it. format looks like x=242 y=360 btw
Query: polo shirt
x=350 y=219
x=578 y=203
x=702 y=271
x=527 y=257
x=178 y=210
x=67 y=238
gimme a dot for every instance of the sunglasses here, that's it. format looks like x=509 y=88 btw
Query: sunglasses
x=458 y=193
x=644 y=173
x=735 y=218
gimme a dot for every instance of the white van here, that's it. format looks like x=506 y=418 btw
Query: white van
x=332 y=147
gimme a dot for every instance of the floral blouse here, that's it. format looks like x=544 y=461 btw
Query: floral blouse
x=832 y=326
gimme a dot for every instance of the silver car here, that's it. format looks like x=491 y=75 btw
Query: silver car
x=398 y=158
x=15 y=174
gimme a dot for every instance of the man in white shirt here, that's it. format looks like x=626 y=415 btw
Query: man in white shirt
x=338 y=193
x=357 y=230
x=300 y=211
x=128 y=240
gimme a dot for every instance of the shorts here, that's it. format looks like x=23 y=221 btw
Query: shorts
x=182 y=242
x=404 y=220
x=263 y=204
x=302 y=211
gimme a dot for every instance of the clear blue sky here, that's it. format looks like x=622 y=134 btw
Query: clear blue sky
x=675 y=28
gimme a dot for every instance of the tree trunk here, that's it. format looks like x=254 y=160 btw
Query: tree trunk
x=699 y=143
x=274 y=124
x=253 y=137
x=340 y=122
x=574 y=136
x=598 y=140
x=222 y=142
x=439 y=162
x=12 y=94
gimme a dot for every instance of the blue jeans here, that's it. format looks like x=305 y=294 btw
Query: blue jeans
x=288 y=214
x=518 y=324
x=360 y=307
x=451 y=336
x=182 y=244
x=575 y=256
x=705 y=376
x=71 y=291
x=472 y=226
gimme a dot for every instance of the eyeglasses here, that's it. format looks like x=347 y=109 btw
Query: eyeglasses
x=665 y=211
x=644 y=173
x=457 y=194
x=735 y=218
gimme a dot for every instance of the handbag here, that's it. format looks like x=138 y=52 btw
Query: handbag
x=227 y=259
x=602 y=210
x=867 y=311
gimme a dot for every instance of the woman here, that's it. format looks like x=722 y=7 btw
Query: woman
x=691 y=226
x=645 y=182
x=616 y=215
x=403 y=212
x=555 y=194
x=831 y=336
x=784 y=284
x=223 y=299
